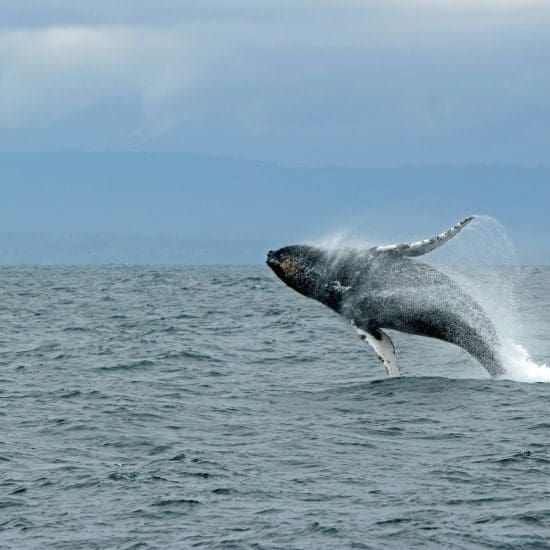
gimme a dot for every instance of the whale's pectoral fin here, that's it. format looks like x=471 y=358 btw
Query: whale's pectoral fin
x=382 y=345
x=419 y=248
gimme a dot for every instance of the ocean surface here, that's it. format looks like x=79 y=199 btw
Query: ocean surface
x=212 y=407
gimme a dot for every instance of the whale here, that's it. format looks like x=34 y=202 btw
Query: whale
x=386 y=288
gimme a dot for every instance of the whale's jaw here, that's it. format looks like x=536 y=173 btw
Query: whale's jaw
x=271 y=259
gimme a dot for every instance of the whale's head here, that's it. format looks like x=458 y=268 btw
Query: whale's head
x=301 y=267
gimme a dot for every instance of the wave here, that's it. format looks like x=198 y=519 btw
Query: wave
x=520 y=367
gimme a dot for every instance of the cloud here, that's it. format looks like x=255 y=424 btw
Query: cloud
x=41 y=13
x=348 y=81
x=35 y=13
x=46 y=74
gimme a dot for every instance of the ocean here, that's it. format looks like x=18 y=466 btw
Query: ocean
x=212 y=407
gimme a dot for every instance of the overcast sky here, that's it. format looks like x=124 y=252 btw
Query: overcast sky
x=350 y=82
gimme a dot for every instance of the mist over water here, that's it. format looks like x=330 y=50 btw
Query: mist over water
x=491 y=273
x=483 y=261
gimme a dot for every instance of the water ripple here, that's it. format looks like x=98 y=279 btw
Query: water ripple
x=148 y=407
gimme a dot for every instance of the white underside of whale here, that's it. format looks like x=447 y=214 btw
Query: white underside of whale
x=419 y=248
x=383 y=347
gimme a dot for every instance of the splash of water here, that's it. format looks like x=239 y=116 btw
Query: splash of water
x=491 y=273
x=341 y=239
x=483 y=261
x=519 y=366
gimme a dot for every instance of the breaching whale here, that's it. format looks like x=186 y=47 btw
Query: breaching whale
x=383 y=288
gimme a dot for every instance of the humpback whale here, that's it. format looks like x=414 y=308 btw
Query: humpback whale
x=383 y=288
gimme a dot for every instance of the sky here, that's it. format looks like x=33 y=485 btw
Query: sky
x=302 y=82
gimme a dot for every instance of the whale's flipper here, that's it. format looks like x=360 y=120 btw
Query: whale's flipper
x=382 y=346
x=419 y=248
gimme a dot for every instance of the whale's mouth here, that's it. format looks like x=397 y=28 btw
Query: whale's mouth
x=272 y=260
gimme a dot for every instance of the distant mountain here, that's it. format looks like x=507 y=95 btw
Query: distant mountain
x=72 y=207
x=40 y=249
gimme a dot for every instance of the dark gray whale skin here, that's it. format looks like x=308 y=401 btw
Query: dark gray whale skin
x=387 y=290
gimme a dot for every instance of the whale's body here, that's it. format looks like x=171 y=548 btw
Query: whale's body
x=382 y=288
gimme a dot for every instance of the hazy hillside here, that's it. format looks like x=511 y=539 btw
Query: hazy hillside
x=163 y=208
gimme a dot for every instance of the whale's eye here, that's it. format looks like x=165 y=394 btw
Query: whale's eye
x=290 y=267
